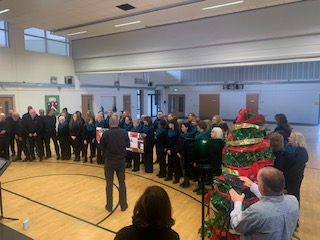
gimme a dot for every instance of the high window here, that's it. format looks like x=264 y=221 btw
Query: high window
x=4 y=34
x=38 y=40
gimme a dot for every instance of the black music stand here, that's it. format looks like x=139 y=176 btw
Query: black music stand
x=4 y=164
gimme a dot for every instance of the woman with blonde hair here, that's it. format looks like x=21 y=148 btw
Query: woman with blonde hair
x=296 y=156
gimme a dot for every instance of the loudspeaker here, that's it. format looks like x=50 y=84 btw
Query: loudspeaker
x=150 y=84
x=69 y=80
x=53 y=79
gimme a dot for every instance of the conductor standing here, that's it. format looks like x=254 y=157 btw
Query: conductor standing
x=113 y=144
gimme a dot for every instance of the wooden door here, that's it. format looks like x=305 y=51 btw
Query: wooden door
x=253 y=103
x=127 y=103
x=87 y=104
x=176 y=105
x=6 y=104
x=209 y=105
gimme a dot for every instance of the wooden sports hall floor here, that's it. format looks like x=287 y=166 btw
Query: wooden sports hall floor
x=66 y=200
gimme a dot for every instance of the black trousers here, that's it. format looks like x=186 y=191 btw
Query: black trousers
x=76 y=144
x=293 y=186
x=109 y=168
x=4 y=147
x=64 y=142
x=129 y=157
x=161 y=156
x=148 y=158
x=100 y=158
x=92 y=148
x=47 y=138
x=11 y=144
x=136 y=161
x=22 y=146
x=33 y=142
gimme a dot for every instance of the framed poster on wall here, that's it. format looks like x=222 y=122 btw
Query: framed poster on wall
x=52 y=101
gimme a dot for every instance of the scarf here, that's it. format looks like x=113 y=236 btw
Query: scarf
x=159 y=130
x=172 y=133
x=290 y=149
x=60 y=126
x=90 y=127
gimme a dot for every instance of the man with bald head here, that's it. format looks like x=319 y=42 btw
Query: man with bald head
x=113 y=144
x=4 y=137
x=274 y=216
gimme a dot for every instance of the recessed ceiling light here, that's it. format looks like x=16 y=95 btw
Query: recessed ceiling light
x=76 y=33
x=126 y=24
x=126 y=7
x=222 y=5
x=4 y=11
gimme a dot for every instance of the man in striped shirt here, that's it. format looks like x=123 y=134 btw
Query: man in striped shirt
x=274 y=216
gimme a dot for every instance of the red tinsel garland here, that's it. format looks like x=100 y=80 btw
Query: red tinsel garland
x=253 y=148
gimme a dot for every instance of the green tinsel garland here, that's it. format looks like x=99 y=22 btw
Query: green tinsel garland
x=244 y=159
x=247 y=133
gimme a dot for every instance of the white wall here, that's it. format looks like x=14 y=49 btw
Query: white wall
x=300 y=102
x=281 y=33
x=18 y=65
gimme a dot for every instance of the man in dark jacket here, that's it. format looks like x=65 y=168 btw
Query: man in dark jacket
x=113 y=144
x=11 y=133
x=4 y=137
x=20 y=135
x=34 y=129
x=50 y=132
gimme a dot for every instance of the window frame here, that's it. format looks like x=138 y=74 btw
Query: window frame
x=47 y=39
x=6 y=34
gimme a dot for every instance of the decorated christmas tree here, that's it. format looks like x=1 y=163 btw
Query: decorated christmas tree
x=247 y=150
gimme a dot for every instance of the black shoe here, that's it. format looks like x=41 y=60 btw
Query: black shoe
x=158 y=174
x=13 y=154
x=128 y=165
x=90 y=159
x=161 y=176
x=49 y=156
x=198 y=188
x=168 y=178
x=200 y=192
x=41 y=158
x=176 y=181
x=185 y=184
x=109 y=209
x=85 y=160
x=135 y=170
x=58 y=157
x=17 y=158
x=33 y=158
x=124 y=208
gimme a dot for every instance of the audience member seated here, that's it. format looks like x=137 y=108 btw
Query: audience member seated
x=152 y=218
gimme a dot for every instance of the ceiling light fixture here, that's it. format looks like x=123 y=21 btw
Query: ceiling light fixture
x=76 y=33
x=222 y=5
x=126 y=24
x=4 y=10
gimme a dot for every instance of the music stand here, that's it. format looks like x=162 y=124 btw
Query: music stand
x=4 y=164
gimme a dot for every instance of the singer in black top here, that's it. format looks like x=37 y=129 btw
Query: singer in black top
x=50 y=132
x=113 y=145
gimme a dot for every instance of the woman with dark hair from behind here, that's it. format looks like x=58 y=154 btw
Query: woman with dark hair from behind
x=283 y=125
x=148 y=135
x=152 y=218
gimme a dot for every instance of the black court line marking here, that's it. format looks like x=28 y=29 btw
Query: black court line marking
x=70 y=215
x=137 y=175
